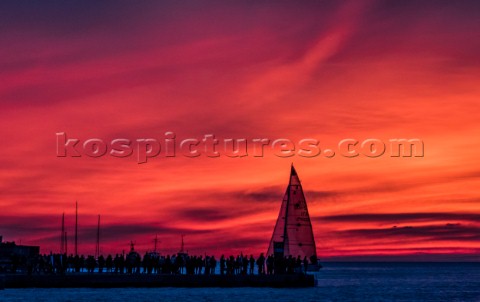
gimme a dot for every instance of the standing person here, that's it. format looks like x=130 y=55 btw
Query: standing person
x=261 y=264
x=222 y=265
x=101 y=263
x=122 y=263
x=298 y=264
x=207 y=265
x=231 y=265
x=244 y=265
x=213 y=265
x=109 y=263
x=270 y=267
x=201 y=264
x=252 y=264
x=305 y=264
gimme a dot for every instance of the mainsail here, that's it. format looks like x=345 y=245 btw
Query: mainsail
x=293 y=234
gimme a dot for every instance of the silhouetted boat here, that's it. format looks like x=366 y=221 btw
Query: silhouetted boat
x=293 y=233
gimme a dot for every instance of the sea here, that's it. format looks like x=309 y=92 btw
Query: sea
x=443 y=282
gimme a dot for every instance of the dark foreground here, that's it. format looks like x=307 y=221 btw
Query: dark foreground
x=409 y=282
x=144 y=280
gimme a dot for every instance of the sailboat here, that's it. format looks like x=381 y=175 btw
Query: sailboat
x=293 y=233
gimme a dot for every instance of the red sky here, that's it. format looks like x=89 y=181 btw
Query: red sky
x=324 y=70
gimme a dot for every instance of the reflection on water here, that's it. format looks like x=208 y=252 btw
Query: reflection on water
x=336 y=282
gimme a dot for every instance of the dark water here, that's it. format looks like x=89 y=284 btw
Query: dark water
x=336 y=282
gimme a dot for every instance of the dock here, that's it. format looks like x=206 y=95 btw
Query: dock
x=107 y=280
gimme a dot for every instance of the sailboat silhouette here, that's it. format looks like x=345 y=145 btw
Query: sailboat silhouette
x=293 y=233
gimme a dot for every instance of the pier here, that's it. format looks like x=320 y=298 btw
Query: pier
x=84 y=280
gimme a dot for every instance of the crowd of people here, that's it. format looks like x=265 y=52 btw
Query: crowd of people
x=153 y=263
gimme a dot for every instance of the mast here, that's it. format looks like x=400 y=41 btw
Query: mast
x=97 y=248
x=285 y=233
x=62 y=235
x=182 y=246
x=65 y=241
x=76 y=228
x=155 y=245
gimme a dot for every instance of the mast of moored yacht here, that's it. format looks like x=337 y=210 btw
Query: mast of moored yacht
x=76 y=228
x=97 y=248
x=62 y=235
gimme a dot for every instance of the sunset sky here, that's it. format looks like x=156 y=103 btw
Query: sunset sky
x=328 y=70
